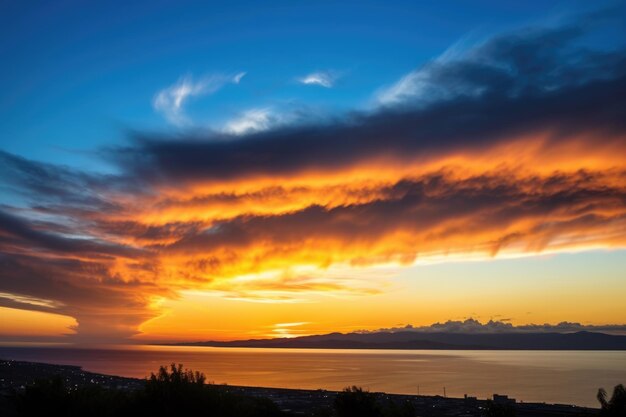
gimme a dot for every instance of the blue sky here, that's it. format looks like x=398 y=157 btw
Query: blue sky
x=77 y=76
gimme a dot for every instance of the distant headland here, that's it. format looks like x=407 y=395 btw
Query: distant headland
x=581 y=340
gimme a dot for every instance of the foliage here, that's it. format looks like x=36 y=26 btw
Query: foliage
x=356 y=402
x=170 y=392
x=616 y=406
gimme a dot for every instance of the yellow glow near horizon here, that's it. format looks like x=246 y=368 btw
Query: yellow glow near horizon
x=424 y=295
x=25 y=323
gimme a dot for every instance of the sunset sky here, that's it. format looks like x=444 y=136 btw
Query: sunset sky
x=235 y=170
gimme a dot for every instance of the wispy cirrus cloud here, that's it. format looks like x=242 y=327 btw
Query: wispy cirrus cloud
x=325 y=79
x=252 y=120
x=260 y=119
x=30 y=300
x=171 y=100
x=237 y=77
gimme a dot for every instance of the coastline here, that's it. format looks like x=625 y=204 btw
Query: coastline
x=411 y=340
x=15 y=375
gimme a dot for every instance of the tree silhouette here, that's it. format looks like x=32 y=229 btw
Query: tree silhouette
x=172 y=391
x=176 y=375
x=616 y=406
x=355 y=402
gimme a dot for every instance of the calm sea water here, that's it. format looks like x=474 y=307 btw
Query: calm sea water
x=571 y=377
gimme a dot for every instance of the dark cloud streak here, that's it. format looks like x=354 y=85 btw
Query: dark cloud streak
x=520 y=83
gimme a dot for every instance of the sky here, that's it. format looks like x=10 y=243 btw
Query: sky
x=228 y=170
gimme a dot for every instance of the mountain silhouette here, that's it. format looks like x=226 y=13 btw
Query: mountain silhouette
x=582 y=340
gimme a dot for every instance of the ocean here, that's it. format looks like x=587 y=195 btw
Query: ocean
x=567 y=377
